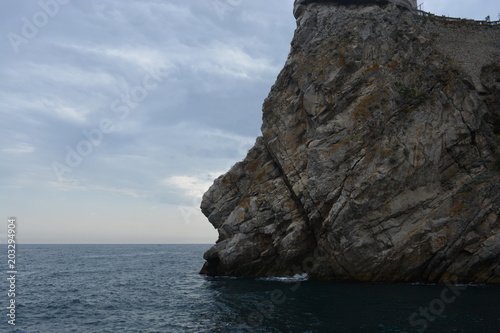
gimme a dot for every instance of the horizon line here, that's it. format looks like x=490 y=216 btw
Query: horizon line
x=112 y=244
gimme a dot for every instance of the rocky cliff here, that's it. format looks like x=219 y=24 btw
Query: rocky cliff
x=379 y=157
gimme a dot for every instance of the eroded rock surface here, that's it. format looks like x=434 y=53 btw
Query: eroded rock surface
x=378 y=159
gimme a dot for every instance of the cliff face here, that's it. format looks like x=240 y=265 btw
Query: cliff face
x=379 y=157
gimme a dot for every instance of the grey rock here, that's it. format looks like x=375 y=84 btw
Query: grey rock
x=379 y=155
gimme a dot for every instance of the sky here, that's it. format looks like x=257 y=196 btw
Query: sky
x=117 y=115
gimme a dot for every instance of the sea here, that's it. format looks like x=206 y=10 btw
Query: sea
x=157 y=289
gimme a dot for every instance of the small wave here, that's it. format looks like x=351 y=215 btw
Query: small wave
x=117 y=255
x=286 y=279
x=423 y=284
x=221 y=278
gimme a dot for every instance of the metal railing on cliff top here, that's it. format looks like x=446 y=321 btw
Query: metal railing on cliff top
x=456 y=19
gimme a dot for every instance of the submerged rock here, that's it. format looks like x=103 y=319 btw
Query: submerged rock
x=379 y=157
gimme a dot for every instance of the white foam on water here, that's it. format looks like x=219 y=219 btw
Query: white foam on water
x=286 y=279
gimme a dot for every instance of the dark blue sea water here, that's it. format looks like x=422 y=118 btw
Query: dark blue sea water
x=156 y=288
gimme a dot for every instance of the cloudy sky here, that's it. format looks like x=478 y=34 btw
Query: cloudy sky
x=116 y=115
